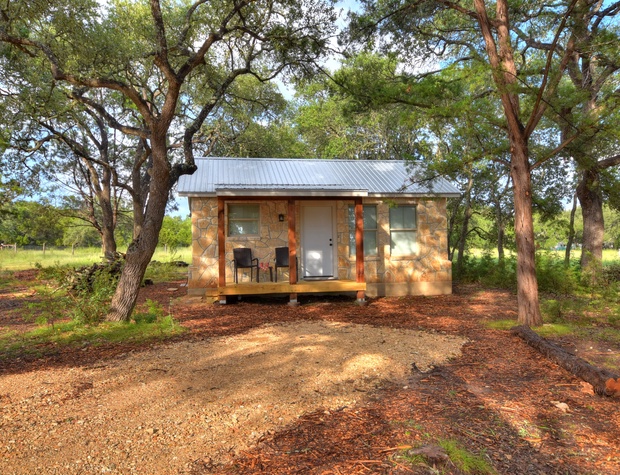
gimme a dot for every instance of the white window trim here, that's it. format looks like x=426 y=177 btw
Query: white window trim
x=413 y=230
x=242 y=236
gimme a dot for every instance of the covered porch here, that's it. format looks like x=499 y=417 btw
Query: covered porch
x=293 y=285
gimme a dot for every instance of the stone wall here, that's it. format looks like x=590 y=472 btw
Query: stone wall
x=427 y=272
x=429 y=265
x=204 y=271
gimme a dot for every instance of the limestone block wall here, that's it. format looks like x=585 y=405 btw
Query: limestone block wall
x=273 y=233
x=204 y=271
x=430 y=262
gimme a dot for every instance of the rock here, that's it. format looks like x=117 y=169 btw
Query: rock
x=562 y=406
x=432 y=453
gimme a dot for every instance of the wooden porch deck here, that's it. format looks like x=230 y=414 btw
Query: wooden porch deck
x=301 y=287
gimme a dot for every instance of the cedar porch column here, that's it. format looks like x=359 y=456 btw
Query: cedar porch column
x=221 y=244
x=292 y=250
x=359 y=247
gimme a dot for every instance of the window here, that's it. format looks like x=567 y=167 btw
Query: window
x=243 y=219
x=403 y=230
x=370 y=230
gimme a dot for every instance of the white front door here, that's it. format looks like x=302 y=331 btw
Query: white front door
x=317 y=240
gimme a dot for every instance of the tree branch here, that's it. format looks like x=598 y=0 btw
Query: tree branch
x=540 y=106
x=78 y=95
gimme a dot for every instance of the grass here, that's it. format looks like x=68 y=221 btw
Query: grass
x=28 y=259
x=47 y=339
x=54 y=308
x=590 y=314
x=610 y=256
x=458 y=456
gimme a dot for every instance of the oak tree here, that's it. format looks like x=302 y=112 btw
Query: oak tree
x=152 y=55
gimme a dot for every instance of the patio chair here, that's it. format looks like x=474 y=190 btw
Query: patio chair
x=243 y=260
x=281 y=258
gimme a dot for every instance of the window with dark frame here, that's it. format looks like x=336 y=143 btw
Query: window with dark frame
x=403 y=230
x=370 y=231
x=243 y=219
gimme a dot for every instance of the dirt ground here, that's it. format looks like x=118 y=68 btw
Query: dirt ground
x=328 y=387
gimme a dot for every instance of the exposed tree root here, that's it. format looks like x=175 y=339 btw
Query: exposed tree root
x=604 y=383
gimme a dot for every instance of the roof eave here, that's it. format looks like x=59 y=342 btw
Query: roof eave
x=290 y=192
x=415 y=195
x=315 y=194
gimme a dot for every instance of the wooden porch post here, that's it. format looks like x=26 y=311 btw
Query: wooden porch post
x=221 y=245
x=359 y=247
x=292 y=250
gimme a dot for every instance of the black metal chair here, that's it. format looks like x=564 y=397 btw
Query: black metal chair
x=281 y=259
x=243 y=260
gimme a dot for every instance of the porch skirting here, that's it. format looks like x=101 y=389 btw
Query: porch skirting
x=401 y=289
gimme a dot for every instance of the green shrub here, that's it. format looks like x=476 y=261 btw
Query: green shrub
x=611 y=274
x=553 y=276
x=92 y=298
x=154 y=312
x=551 y=272
x=488 y=271
x=82 y=294
x=50 y=307
x=553 y=310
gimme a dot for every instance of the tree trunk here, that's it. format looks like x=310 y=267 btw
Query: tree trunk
x=500 y=244
x=140 y=183
x=571 y=232
x=527 y=283
x=500 y=232
x=467 y=213
x=603 y=382
x=143 y=246
x=108 y=223
x=108 y=240
x=593 y=223
x=104 y=196
x=503 y=67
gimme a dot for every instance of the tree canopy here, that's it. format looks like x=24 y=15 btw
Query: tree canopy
x=155 y=71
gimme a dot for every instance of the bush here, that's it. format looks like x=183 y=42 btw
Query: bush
x=154 y=312
x=553 y=275
x=93 y=298
x=611 y=274
x=551 y=272
x=488 y=271
x=87 y=291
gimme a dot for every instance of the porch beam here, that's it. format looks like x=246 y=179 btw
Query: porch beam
x=359 y=247
x=292 y=243
x=221 y=241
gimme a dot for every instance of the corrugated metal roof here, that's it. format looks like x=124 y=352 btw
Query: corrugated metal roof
x=310 y=177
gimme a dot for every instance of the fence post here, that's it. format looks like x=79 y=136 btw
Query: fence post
x=73 y=249
x=15 y=248
x=43 y=248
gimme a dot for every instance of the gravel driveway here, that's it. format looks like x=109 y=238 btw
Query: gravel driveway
x=159 y=410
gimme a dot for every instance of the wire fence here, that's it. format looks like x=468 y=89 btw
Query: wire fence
x=4 y=247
